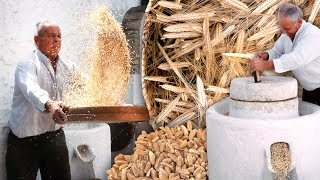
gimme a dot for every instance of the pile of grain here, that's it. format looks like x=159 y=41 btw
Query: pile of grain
x=183 y=41
x=176 y=153
x=108 y=60
x=280 y=160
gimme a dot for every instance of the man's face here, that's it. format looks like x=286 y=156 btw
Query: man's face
x=288 y=27
x=49 y=41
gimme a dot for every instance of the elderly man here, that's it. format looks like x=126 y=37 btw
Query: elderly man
x=297 y=49
x=36 y=140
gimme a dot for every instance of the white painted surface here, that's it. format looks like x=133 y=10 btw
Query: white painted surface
x=237 y=147
x=95 y=135
x=264 y=110
x=17 y=27
x=271 y=88
x=243 y=127
x=98 y=138
x=275 y=97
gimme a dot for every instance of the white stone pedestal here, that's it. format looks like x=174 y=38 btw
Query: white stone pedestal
x=238 y=146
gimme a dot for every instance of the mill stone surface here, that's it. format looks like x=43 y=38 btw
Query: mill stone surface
x=274 y=97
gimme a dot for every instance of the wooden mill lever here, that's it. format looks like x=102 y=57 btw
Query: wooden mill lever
x=256 y=76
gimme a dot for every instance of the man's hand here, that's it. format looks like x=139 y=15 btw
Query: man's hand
x=65 y=108
x=262 y=55
x=257 y=64
x=57 y=111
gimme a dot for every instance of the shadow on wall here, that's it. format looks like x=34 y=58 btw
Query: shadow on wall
x=144 y=2
x=4 y=131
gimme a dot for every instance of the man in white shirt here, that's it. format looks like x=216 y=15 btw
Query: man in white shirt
x=297 y=49
x=36 y=140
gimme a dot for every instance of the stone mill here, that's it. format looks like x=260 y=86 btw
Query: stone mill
x=244 y=127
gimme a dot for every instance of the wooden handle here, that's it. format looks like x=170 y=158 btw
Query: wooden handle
x=109 y=113
x=256 y=76
x=108 y=110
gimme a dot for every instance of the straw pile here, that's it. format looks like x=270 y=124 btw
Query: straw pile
x=109 y=67
x=280 y=160
x=168 y=154
x=183 y=41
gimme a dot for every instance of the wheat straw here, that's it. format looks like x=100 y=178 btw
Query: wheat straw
x=188 y=44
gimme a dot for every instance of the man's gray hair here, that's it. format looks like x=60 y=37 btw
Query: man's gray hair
x=290 y=11
x=40 y=26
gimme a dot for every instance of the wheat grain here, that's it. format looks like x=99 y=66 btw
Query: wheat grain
x=263 y=6
x=236 y=4
x=156 y=78
x=178 y=65
x=314 y=11
x=170 y=5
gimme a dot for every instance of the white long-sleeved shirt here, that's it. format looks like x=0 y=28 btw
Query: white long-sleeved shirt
x=302 y=55
x=36 y=83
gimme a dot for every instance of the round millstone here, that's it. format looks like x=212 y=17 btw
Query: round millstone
x=264 y=110
x=271 y=88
